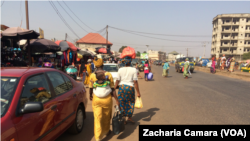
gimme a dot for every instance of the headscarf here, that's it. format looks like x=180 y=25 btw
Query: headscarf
x=89 y=60
x=98 y=62
x=187 y=59
x=126 y=60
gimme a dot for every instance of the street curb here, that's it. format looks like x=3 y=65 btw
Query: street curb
x=238 y=75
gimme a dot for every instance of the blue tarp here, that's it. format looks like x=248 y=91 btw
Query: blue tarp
x=204 y=62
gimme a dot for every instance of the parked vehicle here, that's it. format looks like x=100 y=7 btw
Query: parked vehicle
x=159 y=63
x=113 y=69
x=246 y=68
x=40 y=104
x=155 y=62
x=134 y=61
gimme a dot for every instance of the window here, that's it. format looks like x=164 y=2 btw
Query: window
x=225 y=42
x=68 y=81
x=36 y=88
x=226 y=35
x=227 y=21
x=59 y=85
x=8 y=87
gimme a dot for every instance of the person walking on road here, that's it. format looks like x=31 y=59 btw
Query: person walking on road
x=146 y=70
x=83 y=70
x=213 y=64
x=232 y=63
x=88 y=72
x=102 y=104
x=165 y=69
x=127 y=77
x=186 y=68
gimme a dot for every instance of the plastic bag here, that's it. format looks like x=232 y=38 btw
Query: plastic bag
x=128 y=51
x=150 y=76
x=138 y=103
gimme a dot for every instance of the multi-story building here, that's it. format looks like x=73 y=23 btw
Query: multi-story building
x=231 y=35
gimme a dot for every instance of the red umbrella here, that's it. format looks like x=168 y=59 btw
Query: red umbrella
x=66 y=44
x=102 y=50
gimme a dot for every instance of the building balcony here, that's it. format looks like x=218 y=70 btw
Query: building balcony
x=234 y=38
x=226 y=31
x=236 y=23
x=228 y=52
x=226 y=24
x=246 y=45
x=229 y=45
x=226 y=38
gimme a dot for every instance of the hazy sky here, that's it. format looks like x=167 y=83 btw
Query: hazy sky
x=172 y=18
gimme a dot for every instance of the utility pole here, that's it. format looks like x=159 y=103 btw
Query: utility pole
x=27 y=26
x=27 y=14
x=66 y=37
x=107 y=35
x=147 y=48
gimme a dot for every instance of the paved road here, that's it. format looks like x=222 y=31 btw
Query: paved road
x=202 y=99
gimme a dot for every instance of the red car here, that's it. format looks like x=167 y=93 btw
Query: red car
x=40 y=104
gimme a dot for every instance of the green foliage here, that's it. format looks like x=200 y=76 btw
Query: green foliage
x=138 y=53
x=121 y=49
x=246 y=56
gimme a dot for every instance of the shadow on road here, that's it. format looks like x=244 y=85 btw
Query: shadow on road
x=130 y=128
x=86 y=134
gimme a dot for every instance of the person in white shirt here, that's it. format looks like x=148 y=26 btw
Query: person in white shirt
x=128 y=82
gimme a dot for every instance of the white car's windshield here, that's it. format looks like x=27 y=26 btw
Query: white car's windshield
x=8 y=87
x=110 y=68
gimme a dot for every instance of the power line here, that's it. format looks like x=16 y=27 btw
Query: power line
x=77 y=17
x=160 y=38
x=156 y=45
x=72 y=18
x=58 y=13
x=162 y=34
x=2 y=3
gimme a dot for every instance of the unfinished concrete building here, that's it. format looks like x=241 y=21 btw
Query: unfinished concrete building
x=231 y=35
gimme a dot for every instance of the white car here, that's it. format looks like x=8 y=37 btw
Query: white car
x=113 y=69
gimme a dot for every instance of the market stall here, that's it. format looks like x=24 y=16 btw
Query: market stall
x=16 y=34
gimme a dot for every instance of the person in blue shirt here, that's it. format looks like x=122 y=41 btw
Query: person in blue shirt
x=92 y=66
x=165 y=69
x=143 y=62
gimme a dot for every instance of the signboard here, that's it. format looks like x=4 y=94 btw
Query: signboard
x=144 y=56
x=41 y=33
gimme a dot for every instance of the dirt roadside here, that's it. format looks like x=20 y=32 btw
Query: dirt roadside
x=238 y=75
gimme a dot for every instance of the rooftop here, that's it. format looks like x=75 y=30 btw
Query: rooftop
x=19 y=71
x=246 y=15
x=93 y=38
x=173 y=52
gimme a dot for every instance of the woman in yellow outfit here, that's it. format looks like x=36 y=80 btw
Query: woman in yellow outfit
x=89 y=71
x=102 y=106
